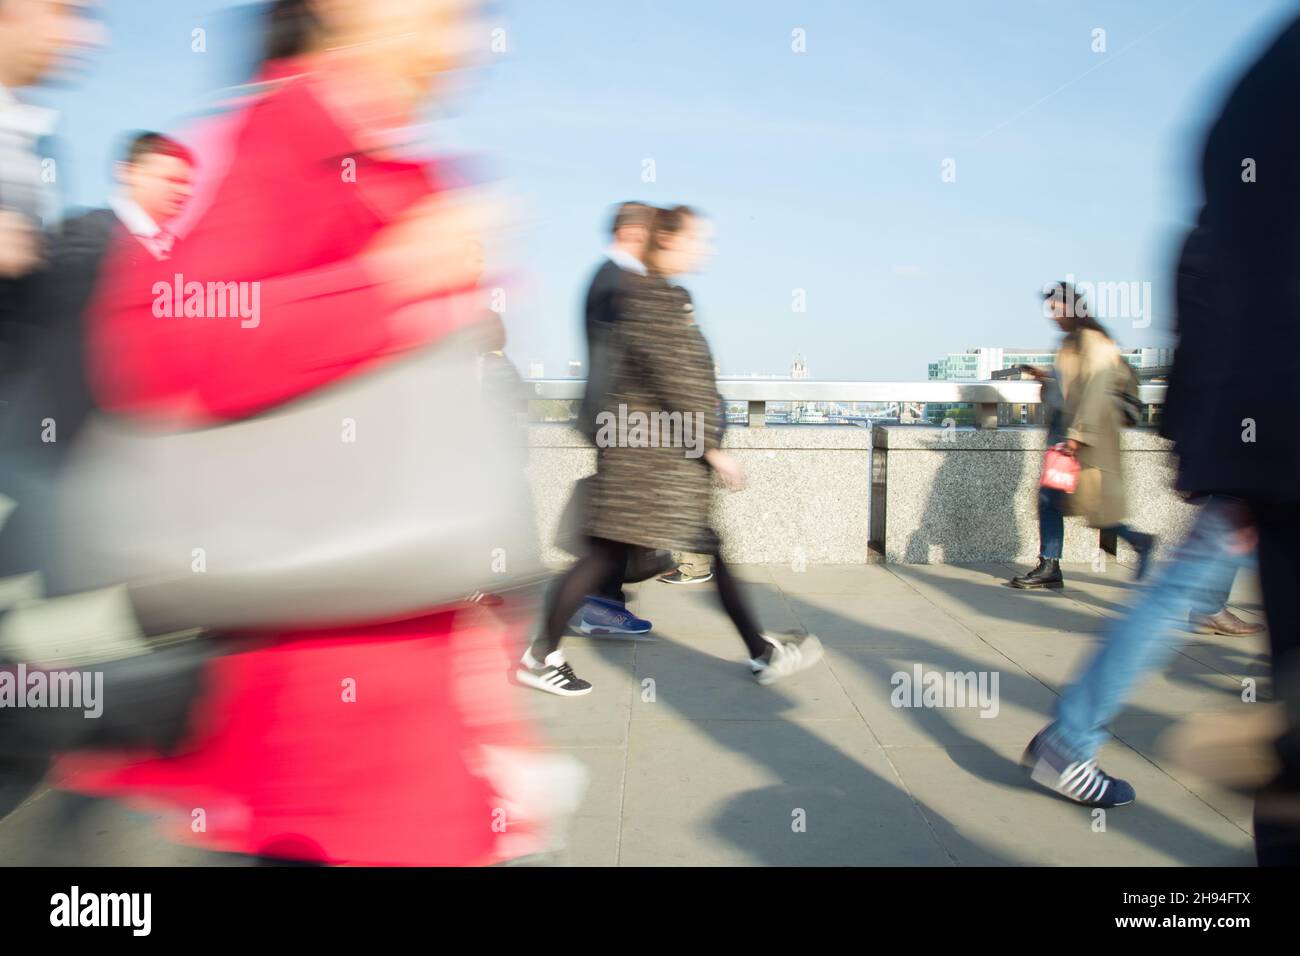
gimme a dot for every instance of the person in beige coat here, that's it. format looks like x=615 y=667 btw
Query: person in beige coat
x=1086 y=398
x=658 y=460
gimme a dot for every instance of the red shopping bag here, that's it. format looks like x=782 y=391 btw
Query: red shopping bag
x=1060 y=471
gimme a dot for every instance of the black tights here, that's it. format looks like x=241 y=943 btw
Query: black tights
x=603 y=559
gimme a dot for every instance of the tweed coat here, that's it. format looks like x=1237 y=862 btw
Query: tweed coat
x=661 y=413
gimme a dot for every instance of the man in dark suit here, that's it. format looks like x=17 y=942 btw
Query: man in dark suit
x=629 y=230
x=155 y=180
x=51 y=397
x=606 y=611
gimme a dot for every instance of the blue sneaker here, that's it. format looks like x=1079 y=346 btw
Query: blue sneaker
x=1081 y=781
x=600 y=616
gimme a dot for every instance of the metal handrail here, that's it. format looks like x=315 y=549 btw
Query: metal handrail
x=806 y=390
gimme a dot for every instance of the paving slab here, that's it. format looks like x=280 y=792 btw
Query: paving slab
x=993 y=701
x=989 y=813
x=692 y=763
x=1148 y=735
x=979 y=597
x=792 y=792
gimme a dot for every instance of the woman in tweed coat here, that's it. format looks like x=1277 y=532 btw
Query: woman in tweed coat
x=657 y=456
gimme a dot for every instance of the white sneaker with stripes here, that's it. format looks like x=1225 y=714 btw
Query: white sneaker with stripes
x=1081 y=781
x=553 y=675
x=786 y=655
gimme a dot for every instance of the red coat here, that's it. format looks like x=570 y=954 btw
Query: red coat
x=283 y=764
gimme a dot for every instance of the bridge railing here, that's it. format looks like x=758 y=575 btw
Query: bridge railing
x=986 y=397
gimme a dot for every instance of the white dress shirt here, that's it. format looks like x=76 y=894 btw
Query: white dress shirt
x=22 y=127
x=141 y=225
x=625 y=260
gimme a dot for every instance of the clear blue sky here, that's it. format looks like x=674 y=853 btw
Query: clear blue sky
x=821 y=169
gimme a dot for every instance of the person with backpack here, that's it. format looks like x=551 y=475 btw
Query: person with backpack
x=1094 y=396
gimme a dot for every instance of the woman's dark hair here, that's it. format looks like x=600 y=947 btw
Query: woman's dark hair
x=1077 y=314
x=665 y=222
x=290 y=27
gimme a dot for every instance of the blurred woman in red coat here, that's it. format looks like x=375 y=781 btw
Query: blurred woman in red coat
x=359 y=255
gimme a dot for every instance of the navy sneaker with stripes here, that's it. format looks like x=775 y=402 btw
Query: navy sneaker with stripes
x=553 y=675
x=1079 y=780
x=602 y=616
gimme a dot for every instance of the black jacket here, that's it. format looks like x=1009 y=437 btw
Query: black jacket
x=49 y=382
x=17 y=330
x=1238 y=357
x=51 y=379
x=1195 y=317
x=602 y=310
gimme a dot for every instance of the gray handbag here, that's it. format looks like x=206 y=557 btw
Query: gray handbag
x=377 y=498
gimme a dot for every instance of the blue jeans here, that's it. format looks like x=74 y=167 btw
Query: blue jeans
x=1051 y=525
x=1219 y=589
x=1132 y=645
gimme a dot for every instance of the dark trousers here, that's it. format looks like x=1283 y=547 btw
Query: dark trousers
x=1051 y=524
x=640 y=564
x=1277 y=836
x=600 y=563
x=611 y=588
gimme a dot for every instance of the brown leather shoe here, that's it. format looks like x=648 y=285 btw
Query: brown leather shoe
x=1225 y=622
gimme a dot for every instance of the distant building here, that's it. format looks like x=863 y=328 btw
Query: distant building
x=798 y=368
x=1150 y=359
x=1023 y=413
x=979 y=364
x=536 y=370
x=575 y=368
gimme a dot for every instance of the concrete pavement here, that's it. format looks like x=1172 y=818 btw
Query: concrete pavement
x=693 y=763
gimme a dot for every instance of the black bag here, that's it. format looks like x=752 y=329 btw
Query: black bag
x=1128 y=398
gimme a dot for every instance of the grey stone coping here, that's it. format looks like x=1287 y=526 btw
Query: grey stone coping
x=812 y=437
x=934 y=438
